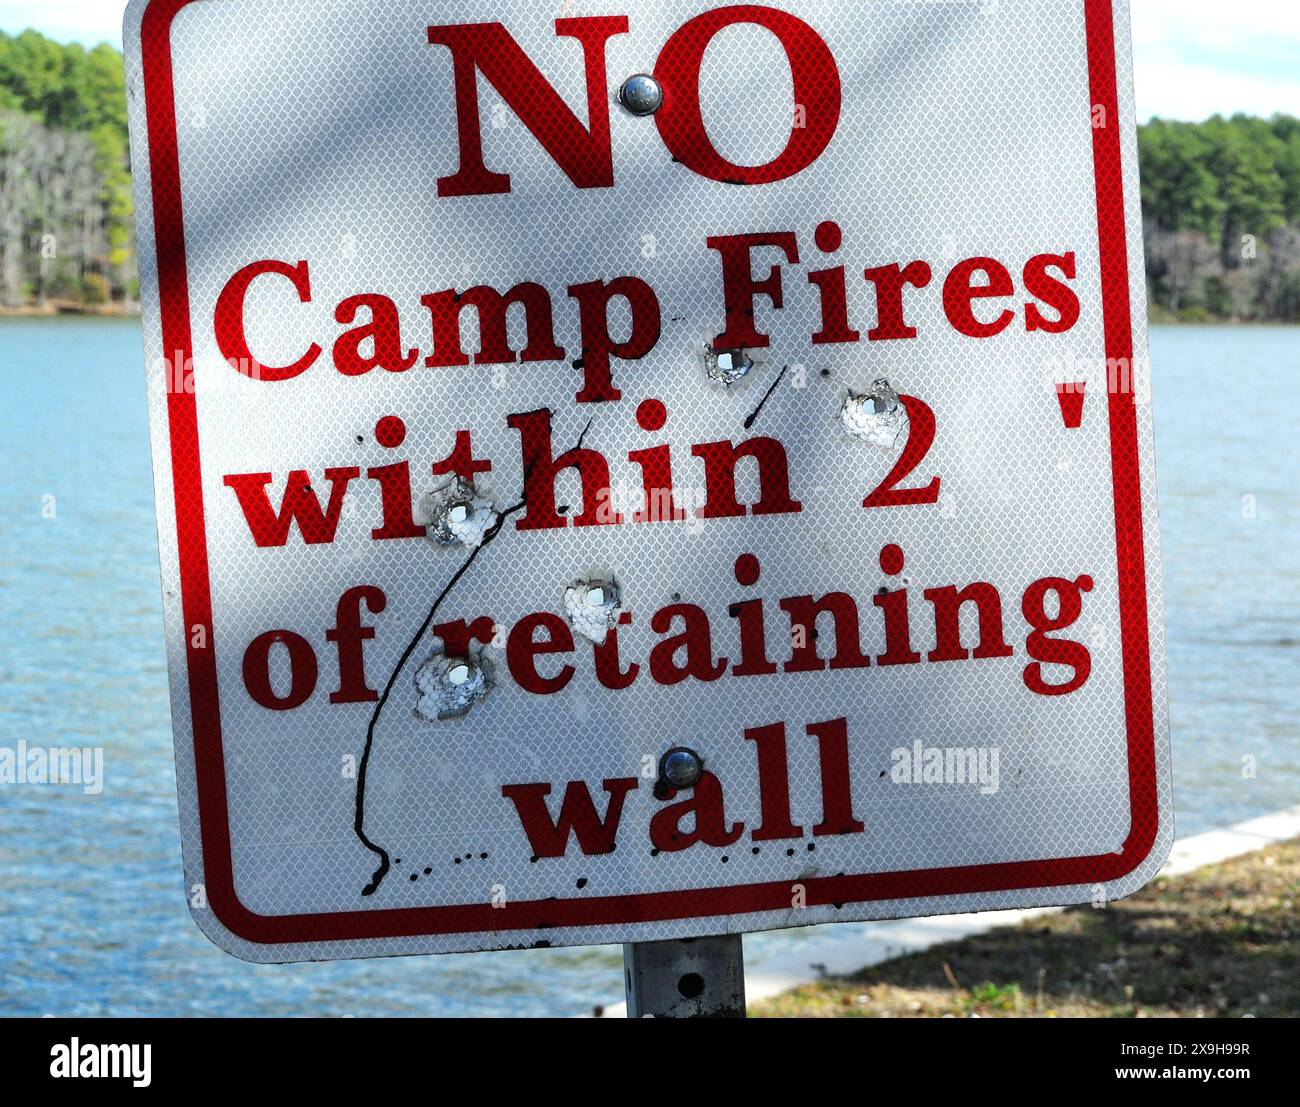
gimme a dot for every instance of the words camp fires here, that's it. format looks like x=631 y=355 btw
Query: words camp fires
x=982 y=297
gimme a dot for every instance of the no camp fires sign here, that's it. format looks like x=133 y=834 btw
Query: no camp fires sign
x=630 y=473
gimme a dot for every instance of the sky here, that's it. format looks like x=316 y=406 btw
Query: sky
x=1193 y=58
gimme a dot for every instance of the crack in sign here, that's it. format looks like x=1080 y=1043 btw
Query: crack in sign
x=359 y=817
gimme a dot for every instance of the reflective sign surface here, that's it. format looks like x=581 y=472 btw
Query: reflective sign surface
x=590 y=517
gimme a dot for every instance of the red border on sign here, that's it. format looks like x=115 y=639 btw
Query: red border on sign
x=196 y=601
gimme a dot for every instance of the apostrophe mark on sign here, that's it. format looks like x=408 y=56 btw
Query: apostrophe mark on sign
x=1070 y=396
x=753 y=415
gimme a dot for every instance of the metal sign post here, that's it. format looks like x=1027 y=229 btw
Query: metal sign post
x=689 y=978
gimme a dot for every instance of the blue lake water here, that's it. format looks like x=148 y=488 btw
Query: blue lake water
x=92 y=920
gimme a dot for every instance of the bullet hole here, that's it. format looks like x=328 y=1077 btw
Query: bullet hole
x=789 y=853
x=533 y=860
x=825 y=372
x=726 y=366
x=654 y=853
x=691 y=985
x=447 y=687
x=877 y=416
x=725 y=858
x=428 y=871
x=456 y=514
x=360 y=439
x=756 y=851
x=455 y=860
x=415 y=876
x=482 y=856
x=593 y=605
x=582 y=882
x=811 y=847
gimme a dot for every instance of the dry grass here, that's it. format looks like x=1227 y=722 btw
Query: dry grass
x=1222 y=941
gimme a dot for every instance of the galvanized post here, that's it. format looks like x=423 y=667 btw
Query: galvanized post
x=688 y=978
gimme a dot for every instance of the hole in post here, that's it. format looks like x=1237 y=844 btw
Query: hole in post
x=691 y=985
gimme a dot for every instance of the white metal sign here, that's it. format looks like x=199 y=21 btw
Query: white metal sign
x=636 y=473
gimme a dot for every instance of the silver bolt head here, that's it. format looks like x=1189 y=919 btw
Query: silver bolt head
x=681 y=767
x=459 y=512
x=641 y=94
x=458 y=673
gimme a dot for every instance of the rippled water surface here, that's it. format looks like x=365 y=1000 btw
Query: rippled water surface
x=91 y=916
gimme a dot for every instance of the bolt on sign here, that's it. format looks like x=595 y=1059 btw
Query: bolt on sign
x=635 y=473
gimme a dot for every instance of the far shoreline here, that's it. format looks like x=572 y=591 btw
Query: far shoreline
x=54 y=309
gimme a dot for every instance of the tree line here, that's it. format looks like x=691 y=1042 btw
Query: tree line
x=1221 y=208
x=65 y=184
x=1220 y=199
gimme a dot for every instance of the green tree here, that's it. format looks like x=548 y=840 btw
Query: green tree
x=65 y=186
x=1220 y=202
